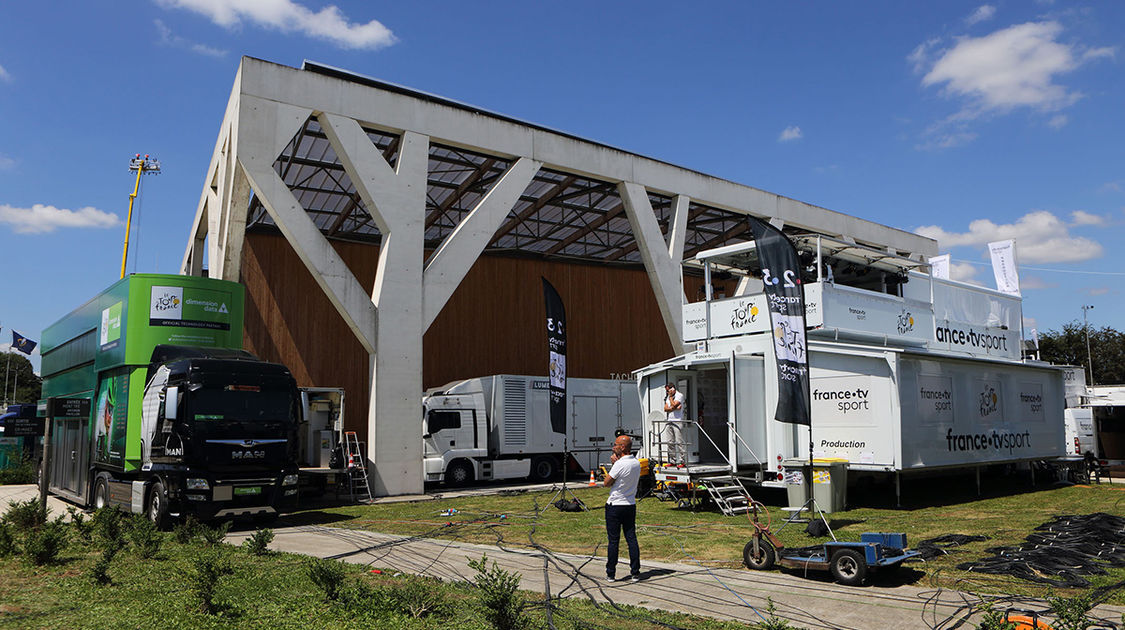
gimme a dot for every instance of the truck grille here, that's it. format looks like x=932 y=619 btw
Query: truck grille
x=515 y=412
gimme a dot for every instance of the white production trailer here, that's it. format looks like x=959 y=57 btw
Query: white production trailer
x=928 y=377
x=499 y=427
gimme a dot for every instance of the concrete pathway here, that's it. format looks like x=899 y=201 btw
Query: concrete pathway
x=733 y=594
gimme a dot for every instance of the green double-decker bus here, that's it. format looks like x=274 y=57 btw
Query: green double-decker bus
x=182 y=420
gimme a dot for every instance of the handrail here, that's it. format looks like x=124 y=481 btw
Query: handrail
x=743 y=442
x=701 y=430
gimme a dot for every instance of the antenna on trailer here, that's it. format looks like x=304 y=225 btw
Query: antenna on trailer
x=141 y=165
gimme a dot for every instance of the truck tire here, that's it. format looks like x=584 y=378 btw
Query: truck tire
x=543 y=468
x=459 y=473
x=156 y=507
x=101 y=492
x=767 y=555
x=848 y=567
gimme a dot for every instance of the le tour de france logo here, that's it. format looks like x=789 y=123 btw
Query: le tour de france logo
x=905 y=322
x=744 y=315
x=988 y=402
x=167 y=303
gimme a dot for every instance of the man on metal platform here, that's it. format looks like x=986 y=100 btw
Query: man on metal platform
x=674 y=428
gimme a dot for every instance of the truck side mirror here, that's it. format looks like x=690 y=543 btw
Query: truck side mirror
x=171 y=402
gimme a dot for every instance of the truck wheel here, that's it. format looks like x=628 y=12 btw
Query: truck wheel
x=101 y=492
x=157 y=506
x=848 y=567
x=543 y=469
x=459 y=473
x=765 y=558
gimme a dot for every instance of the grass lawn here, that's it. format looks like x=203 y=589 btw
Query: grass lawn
x=1009 y=510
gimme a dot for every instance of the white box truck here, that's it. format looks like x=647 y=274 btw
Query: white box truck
x=902 y=379
x=499 y=427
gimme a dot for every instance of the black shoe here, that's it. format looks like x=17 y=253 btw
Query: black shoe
x=633 y=579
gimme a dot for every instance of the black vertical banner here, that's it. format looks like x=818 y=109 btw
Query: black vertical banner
x=781 y=276
x=556 y=355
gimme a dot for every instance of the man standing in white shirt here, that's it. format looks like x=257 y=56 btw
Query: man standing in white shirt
x=621 y=507
x=674 y=429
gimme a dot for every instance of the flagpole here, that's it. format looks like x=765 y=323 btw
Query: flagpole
x=6 y=369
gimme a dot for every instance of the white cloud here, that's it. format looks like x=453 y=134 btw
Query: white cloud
x=287 y=16
x=1041 y=237
x=39 y=219
x=1013 y=67
x=963 y=272
x=1081 y=217
x=790 y=133
x=1035 y=282
x=168 y=38
x=983 y=13
x=1058 y=121
x=6 y=162
x=4 y=76
x=1097 y=291
x=1111 y=187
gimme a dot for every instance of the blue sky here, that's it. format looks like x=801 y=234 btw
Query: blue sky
x=965 y=121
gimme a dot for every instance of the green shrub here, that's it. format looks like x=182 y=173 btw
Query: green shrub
x=23 y=473
x=186 y=531
x=42 y=544
x=1070 y=612
x=24 y=515
x=8 y=545
x=108 y=527
x=100 y=571
x=328 y=575
x=214 y=535
x=145 y=536
x=497 y=591
x=772 y=621
x=207 y=568
x=259 y=542
x=993 y=619
x=417 y=598
x=82 y=527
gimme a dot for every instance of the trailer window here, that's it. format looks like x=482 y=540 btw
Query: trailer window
x=438 y=420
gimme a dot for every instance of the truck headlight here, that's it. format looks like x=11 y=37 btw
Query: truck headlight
x=289 y=480
x=198 y=484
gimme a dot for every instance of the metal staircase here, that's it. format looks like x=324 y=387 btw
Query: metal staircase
x=728 y=493
x=356 y=463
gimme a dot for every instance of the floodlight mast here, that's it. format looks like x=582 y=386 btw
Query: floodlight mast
x=141 y=165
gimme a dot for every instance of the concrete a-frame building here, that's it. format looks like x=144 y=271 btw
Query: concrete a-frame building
x=323 y=157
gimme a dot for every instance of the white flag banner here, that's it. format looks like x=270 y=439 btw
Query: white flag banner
x=1004 y=266
x=939 y=266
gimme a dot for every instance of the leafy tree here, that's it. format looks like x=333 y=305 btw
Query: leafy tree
x=1068 y=346
x=20 y=375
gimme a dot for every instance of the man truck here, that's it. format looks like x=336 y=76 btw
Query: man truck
x=182 y=421
x=499 y=427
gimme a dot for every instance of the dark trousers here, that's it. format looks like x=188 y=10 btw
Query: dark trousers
x=618 y=518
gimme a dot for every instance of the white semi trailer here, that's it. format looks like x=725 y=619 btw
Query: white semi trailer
x=908 y=373
x=499 y=427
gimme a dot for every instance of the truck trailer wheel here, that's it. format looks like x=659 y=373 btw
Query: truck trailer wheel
x=157 y=506
x=101 y=492
x=763 y=560
x=459 y=473
x=848 y=567
x=543 y=469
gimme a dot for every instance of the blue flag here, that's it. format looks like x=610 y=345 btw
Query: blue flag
x=23 y=344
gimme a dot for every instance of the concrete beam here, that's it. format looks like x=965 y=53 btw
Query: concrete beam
x=664 y=272
x=396 y=200
x=264 y=134
x=449 y=265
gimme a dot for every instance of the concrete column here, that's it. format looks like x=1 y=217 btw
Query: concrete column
x=661 y=259
x=396 y=200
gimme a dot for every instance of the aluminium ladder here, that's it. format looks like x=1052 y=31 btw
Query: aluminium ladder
x=728 y=493
x=356 y=464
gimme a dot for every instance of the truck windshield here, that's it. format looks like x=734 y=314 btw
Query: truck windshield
x=215 y=406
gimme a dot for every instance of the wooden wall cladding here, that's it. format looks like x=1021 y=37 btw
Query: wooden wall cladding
x=493 y=324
